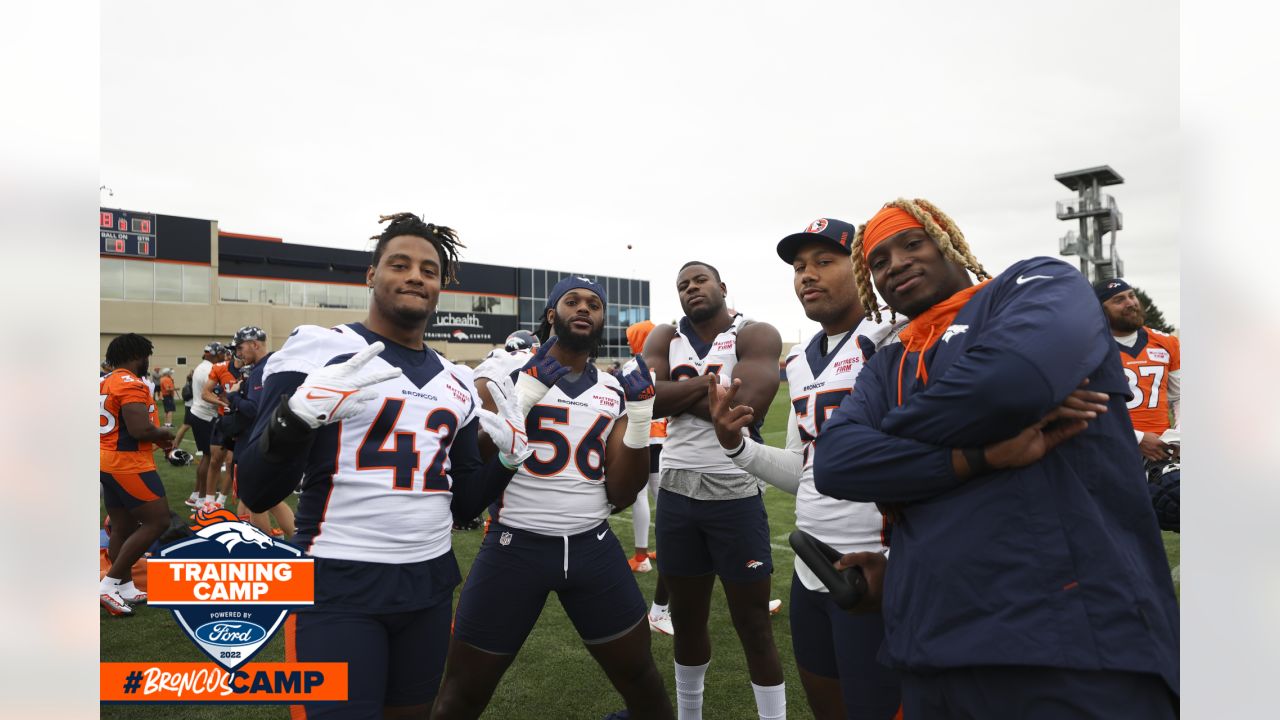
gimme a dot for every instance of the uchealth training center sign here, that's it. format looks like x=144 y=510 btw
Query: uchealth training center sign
x=471 y=327
x=230 y=588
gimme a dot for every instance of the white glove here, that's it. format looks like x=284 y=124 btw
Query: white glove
x=506 y=429
x=336 y=392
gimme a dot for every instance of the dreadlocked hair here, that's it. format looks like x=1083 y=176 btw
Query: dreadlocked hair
x=938 y=225
x=444 y=239
x=127 y=348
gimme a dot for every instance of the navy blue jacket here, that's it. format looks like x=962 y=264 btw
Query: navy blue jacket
x=1056 y=564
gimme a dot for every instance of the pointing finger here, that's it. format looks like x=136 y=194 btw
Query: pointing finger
x=359 y=359
x=374 y=378
x=542 y=351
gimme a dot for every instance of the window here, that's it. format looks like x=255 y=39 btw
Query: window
x=539 y=284
x=317 y=294
x=111 y=280
x=195 y=284
x=247 y=289
x=275 y=292
x=138 y=281
x=227 y=288
x=297 y=294
x=168 y=282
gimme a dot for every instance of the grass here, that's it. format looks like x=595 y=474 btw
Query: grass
x=553 y=670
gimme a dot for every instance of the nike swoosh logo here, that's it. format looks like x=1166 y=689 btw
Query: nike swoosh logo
x=602 y=534
x=1024 y=279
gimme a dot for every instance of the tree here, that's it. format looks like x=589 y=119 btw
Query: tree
x=1155 y=318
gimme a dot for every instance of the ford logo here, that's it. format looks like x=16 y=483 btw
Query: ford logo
x=230 y=633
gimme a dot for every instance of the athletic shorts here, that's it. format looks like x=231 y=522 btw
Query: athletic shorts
x=655 y=458
x=514 y=572
x=216 y=437
x=129 y=490
x=1044 y=693
x=389 y=623
x=843 y=646
x=200 y=431
x=168 y=403
x=727 y=537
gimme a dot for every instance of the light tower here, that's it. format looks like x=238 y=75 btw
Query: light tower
x=1098 y=216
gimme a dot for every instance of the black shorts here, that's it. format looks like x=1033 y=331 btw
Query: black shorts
x=168 y=403
x=514 y=572
x=217 y=438
x=129 y=490
x=836 y=644
x=200 y=431
x=727 y=537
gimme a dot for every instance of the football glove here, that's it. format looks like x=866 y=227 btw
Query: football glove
x=538 y=376
x=336 y=392
x=637 y=386
x=506 y=429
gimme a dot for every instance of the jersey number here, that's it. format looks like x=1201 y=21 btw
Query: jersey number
x=106 y=421
x=824 y=403
x=588 y=456
x=1147 y=371
x=403 y=456
x=688 y=372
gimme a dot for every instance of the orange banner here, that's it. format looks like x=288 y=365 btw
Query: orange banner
x=232 y=582
x=187 y=682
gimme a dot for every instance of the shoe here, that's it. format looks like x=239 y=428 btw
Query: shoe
x=137 y=598
x=661 y=623
x=653 y=555
x=114 y=604
x=199 y=453
x=640 y=565
x=277 y=532
x=192 y=503
x=775 y=606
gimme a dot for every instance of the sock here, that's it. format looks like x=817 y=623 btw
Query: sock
x=194 y=496
x=771 y=701
x=206 y=499
x=640 y=521
x=127 y=589
x=221 y=499
x=108 y=584
x=657 y=609
x=689 y=690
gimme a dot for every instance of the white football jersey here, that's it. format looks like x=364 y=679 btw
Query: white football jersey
x=817 y=385
x=691 y=441
x=497 y=369
x=199 y=377
x=385 y=495
x=560 y=489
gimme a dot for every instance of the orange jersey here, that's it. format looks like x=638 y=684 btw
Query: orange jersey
x=118 y=451
x=1147 y=365
x=166 y=386
x=221 y=375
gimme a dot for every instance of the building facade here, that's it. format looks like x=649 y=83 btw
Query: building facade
x=183 y=282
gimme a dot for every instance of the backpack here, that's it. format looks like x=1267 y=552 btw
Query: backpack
x=187 y=392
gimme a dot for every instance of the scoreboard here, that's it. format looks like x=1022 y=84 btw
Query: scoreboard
x=126 y=233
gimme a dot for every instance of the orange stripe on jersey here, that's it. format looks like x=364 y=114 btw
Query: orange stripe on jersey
x=296 y=712
x=133 y=484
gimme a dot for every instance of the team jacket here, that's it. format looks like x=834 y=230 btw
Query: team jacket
x=1056 y=564
x=386 y=485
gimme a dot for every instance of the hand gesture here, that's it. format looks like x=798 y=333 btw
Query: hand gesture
x=637 y=385
x=729 y=419
x=544 y=368
x=336 y=392
x=506 y=429
x=1153 y=448
x=873 y=566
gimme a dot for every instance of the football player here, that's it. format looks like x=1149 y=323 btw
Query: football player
x=131 y=487
x=224 y=379
x=711 y=517
x=1028 y=578
x=200 y=417
x=166 y=395
x=501 y=362
x=385 y=432
x=834 y=650
x=590 y=436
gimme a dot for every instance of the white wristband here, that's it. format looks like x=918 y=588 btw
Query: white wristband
x=639 y=419
x=528 y=392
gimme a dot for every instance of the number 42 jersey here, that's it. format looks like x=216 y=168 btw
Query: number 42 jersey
x=377 y=486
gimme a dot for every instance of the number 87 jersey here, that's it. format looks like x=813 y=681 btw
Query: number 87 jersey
x=377 y=486
x=560 y=489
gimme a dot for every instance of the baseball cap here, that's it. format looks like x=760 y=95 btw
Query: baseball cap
x=1107 y=289
x=836 y=233
x=248 y=332
x=214 y=347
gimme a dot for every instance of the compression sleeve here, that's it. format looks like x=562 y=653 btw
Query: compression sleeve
x=270 y=464
x=475 y=482
x=780 y=467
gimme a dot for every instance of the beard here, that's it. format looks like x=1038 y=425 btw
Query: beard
x=705 y=312
x=1130 y=322
x=574 y=341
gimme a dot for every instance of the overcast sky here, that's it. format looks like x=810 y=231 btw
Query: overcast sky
x=556 y=134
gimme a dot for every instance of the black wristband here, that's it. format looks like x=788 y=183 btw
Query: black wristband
x=737 y=452
x=286 y=435
x=977 y=459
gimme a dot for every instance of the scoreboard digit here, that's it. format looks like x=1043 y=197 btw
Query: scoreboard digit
x=126 y=233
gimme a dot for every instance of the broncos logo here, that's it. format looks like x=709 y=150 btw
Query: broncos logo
x=224 y=527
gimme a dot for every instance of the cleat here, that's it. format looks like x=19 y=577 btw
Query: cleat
x=277 y=532
x=640 y=565
x=193 y=504
x=114 y=604
x=775 y=606
x=661 y=622
x=137 y=598
x=653 y=555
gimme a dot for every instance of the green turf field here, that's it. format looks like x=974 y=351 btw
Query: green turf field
x=553 y=677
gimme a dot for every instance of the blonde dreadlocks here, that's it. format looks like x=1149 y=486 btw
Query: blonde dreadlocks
x=938 y=225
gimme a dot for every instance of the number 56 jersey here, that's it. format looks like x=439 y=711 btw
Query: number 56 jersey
x=377 y=486
x=560 y=489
